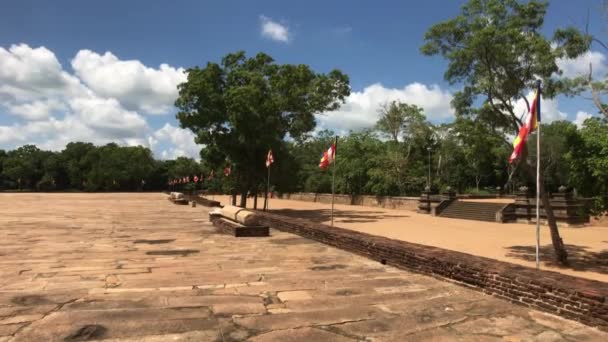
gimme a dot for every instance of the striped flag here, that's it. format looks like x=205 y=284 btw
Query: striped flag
x=327 y=157
x=531 y=124
x=269 y=158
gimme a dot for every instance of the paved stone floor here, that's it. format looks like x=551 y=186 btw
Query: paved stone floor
x=135 y=267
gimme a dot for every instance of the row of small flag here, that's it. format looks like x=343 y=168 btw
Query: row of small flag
x=197 y=179
x=327 y=157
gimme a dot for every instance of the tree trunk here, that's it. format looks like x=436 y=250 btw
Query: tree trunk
x=265 y=199
x=255 y=200
x=234 y=198
x=243 y=199
x=561 y=255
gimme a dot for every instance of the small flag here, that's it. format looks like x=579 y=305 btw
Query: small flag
x=227 y=171
x=328 y=157
x=211 y=175
x=187 y=179
x=531 y=124
x=269 y=158
x=195 y=179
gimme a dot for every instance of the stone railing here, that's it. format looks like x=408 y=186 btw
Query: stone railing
x=567 y=209
x=570 y=297
x=407 y=203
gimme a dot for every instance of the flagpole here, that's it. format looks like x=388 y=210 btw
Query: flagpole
x=538 y=177
x=333 y=180
x=268 y=190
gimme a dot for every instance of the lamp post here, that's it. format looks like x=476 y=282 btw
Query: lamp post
x=429 y=178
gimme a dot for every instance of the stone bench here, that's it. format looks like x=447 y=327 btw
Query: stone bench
x=238 y=222
x=177 y=198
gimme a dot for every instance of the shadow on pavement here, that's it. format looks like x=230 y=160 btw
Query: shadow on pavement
x=580 y=258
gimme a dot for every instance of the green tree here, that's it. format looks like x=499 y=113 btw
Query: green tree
x=243 y=106
x=77 y=165
x=24 y=166
x=55 y=173
x=405 y=122
x=589 y=163
x=2 y=177
x=496 y=51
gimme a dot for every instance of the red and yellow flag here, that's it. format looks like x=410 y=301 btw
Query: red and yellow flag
x=328 y=157
x=531 y=124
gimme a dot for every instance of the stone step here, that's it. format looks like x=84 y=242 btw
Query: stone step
x=477 y=211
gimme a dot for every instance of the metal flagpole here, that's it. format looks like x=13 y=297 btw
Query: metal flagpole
x=537 y=110
x=333 y=180
x=268 y=190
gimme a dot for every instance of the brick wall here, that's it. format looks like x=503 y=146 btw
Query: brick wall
x=574 y=298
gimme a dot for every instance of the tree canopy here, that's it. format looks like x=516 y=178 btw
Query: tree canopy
x=496 y=50
x=244 y=106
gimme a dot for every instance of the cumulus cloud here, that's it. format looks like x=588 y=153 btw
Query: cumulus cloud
x=580 y=66
x=549 y=109
x=581 y=117
x=136 y=86
x=28 y=74
x=361 y=108
x=53 y=107
x=182 y=142
x=274 y=30
x=36 y=110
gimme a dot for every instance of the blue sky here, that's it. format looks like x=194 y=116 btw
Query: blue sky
x=375 y=43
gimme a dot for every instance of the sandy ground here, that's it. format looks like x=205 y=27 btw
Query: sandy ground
x=512 y=242
x=135 y=267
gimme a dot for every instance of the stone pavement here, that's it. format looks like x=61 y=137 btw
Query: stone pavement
x=135 y=267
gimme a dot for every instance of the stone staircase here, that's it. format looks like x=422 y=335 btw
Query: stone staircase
x=478 y=211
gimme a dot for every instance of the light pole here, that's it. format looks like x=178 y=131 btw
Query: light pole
x=429 y=178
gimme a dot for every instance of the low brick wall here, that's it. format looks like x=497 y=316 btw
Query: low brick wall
x=574 y=298
x=407 y=203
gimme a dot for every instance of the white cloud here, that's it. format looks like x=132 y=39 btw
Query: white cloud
x=108 y=117
x=580 y=66
x=274 y=30
x=182 y=142
x=36 y=110
x=136 y=86
x=56 y=107
x=549 y=109
x=28 y=74
x=9 y=134
x=361 y=108
x=581 y=117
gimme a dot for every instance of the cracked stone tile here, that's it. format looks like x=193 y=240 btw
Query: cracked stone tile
x=20 y=319
x=9 y=329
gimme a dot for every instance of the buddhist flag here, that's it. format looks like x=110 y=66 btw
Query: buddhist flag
x=327 y=157
x=227 y=171
x=195 y=179
x=531 y=124
x=269 y=158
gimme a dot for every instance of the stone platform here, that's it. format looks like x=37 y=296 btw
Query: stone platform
x=134 y=267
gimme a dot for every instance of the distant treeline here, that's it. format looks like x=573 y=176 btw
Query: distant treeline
x=463 y=155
